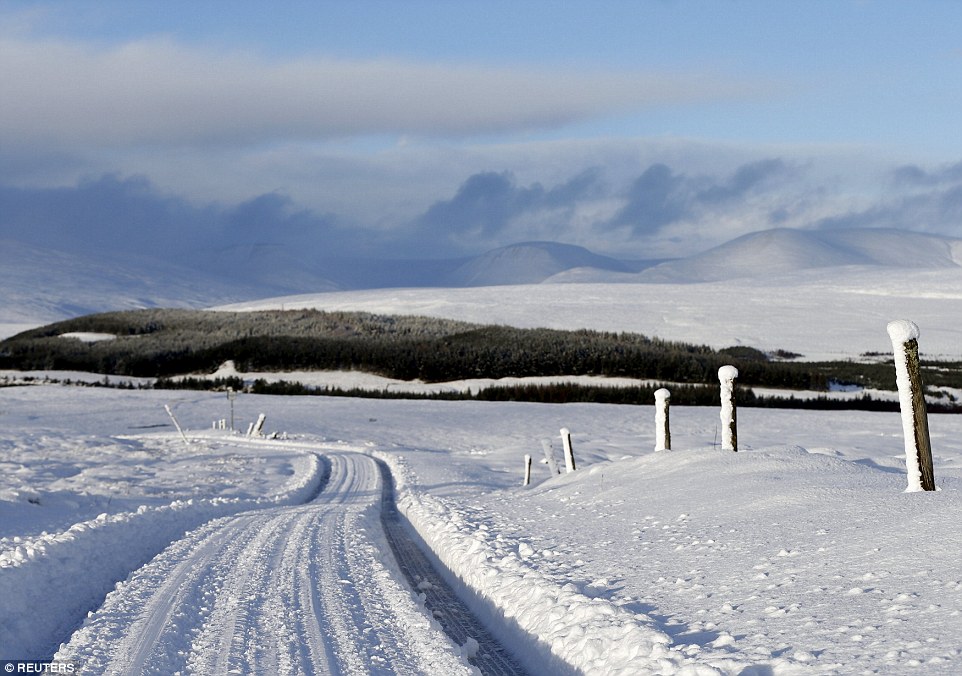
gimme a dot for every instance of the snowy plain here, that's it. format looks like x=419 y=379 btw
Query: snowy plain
x=800 y=554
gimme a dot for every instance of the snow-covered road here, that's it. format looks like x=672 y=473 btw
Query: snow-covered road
x=302 y=589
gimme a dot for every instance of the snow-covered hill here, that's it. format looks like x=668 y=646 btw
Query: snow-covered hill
x=528 y=263
x=40 y=285
x=44 y=285
x=779 y=251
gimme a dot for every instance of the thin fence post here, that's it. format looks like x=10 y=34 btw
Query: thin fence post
x=726 y=378
x=915 y=423
x=177 y=425
x=662 y=428
x=549 y=457
x=569 y=454
x=527 y=470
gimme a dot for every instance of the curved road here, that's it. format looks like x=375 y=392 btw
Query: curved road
x=306 y=589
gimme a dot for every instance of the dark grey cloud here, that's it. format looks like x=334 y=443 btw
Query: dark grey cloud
x=745 y=179
x=660 y=196
x=934 y=206
x=911 y=175
x=655 y=199
x=129 y=216
x=486 y=204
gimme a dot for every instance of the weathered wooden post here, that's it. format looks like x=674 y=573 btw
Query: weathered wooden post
x=915 y=423
x=527 y=469
x=662 y=430
x=549 y=456
x=726 y=377
x=569 y=454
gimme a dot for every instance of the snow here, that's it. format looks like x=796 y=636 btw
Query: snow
x=799 y=554
x=802 y=553
x=88 y=336
x=770 y=313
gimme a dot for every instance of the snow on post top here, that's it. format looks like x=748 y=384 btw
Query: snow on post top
x=727 y=373
x=662 y=394
x=902 y=331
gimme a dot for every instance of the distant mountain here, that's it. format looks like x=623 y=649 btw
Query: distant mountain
x=781 y=251
x=528 y=263
x=40 y=285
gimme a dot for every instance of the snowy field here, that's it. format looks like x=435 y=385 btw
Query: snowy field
x=800 y=554
x=828 y=313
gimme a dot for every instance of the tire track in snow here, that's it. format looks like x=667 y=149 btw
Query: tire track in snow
x=490 y=657
x=283 y=590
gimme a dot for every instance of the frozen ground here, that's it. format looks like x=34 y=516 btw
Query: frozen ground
x=801 y=553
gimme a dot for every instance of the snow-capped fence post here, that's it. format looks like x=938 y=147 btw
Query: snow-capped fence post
x=549 y=456
x=915 y=424
x=662 y=430
x=726 y=378
x=569 y=454
x=231 y=396
x=527 y=469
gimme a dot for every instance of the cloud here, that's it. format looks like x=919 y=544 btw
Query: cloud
x=130 y=216
x=160 y=92
x=911 y=175
x=488 y=204
x=660 y=197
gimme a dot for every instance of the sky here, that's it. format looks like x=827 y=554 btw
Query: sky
x=430 y=129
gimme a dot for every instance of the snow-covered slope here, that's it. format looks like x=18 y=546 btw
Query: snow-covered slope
x=41 y=285
x=528 y=263
x=781 y=250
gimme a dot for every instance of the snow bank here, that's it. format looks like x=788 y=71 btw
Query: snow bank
x=49 y=582
x=558 y=628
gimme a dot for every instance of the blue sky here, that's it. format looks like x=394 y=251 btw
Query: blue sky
x=614 y=125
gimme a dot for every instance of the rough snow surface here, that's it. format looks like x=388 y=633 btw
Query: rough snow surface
x=799 y=554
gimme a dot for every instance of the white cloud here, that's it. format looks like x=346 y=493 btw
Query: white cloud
x=160 y=92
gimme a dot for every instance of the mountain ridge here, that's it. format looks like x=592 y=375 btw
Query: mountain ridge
x=42 y=284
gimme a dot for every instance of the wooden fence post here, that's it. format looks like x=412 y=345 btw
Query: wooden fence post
x=726 y=377
x=569 y=454
x=527 y=470
x=915 y=423
x=662 y=429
